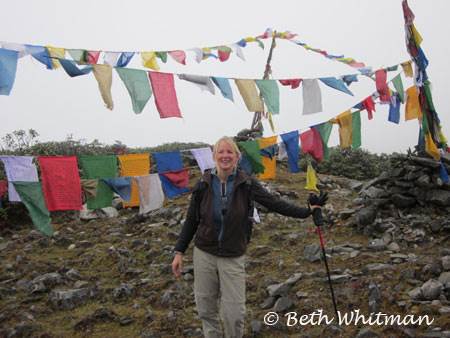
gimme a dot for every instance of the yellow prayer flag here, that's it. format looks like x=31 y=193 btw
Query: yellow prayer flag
x=311 y=179
x=430 y=147
x=249 y=93
x=149 y=60
x=134 y=165
x=56 y=52
x=103 y=75
x=412 y=110
x=407 y=68
x=442 y=137
x=345 y=129
x=416 y=35
x=269 y=164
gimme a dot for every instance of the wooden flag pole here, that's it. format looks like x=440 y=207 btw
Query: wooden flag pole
x=257 y=117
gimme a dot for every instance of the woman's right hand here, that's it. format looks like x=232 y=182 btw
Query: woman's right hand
x=177 y=265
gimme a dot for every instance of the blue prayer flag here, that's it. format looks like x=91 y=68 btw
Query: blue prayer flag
x=8 y=67
x=291 y=142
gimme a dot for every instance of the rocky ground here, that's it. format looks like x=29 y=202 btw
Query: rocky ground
x=110 y=276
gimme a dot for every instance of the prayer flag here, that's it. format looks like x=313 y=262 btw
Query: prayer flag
x=311 y=178
x=268 y=163
x=398 y=85
x=344 y=120
x=394 y=109
x=336 y=84
x=41 y=54
x=71 y=68
x=294 y=83
x=369 y=105
x=203 y=82
x=103 y=75
x=124 y=59
x=324 y=130
x=92 y=56
x=165 y=95
x=407 y=68
x=224 y=86
x=291 y=143
x=99 y=166
x=249 y=93
x=18 y=168
x=168 y=161
x=170 y=189
x=179 y=56
x=120 y=185
x=382 y=87
x=149 y=60
x=356 y=129
x=56 y=53
x=412 y=110
x=312 y=97
x=252 y=155
x=271 y=94
x=204 y=158
x=151 y=195
x=311 y=143
x=134 y=165
x=137 y=85
x=8 y=67
x=31 y=195
x=60 y=182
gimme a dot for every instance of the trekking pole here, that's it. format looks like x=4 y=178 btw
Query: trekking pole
x=318 y=221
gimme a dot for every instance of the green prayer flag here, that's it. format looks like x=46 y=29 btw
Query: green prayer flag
x=428 y=96
x=325 y=131
x=392 y=68
x=251 y=149
x=271 y=94
x=356 y=129
x=138 y=87
x=31 y=195
x=398 y=85
x=77 y=55
x=96 y=167
x=162 y=56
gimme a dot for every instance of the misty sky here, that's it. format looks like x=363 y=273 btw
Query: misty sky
x=369 y=31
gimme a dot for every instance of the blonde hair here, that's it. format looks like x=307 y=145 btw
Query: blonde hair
x=230 y=142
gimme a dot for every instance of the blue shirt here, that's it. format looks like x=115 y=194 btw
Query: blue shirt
x=222 y=194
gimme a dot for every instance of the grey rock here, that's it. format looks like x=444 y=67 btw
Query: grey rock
x=277 y=290
x=431 y=289
x=338 y=278
x=69 y=299
x=376 y=244
x=416 y=293
x=427 y=162
x=367 y=333
x=373 y=192
x=378 y=267
x=73 y=274
x=86 y=214
x=393 y=247
x=402 y=201
x=374 y=298
x=439 y=197
x=312 y=253
x=294 y=278
x=445 y=263
x=282 y=304
x=424 y=181
x=256 y=327
x=346 y=213
x=45 y=282
x=267 y=303
x=109 y=212
x=444 y=278
x=123 y=291
x=366 y=216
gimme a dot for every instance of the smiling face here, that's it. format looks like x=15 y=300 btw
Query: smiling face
x=226 y=157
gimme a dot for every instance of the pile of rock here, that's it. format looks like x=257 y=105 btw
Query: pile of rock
x=412 y=182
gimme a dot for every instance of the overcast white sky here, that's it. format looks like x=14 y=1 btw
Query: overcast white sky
x=369 y=31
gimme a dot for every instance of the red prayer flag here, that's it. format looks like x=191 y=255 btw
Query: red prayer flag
x=224 y=55
x=60 y=182
x=179 y=178
x=311 y=143
x=382 y=87
x=92 y=57
x=165 y=95
x=3 y=187
x=369 y=105
x=294 y=83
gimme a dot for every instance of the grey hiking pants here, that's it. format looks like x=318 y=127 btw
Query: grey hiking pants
x=220 y=282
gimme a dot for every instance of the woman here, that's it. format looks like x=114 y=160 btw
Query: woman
x=218 y=216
